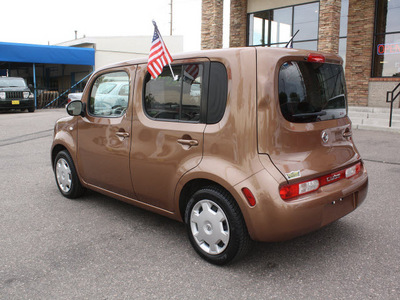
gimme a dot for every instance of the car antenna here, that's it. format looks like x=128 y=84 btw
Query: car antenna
x=291 y=40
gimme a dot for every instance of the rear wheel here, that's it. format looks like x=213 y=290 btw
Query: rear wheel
x=66 y=177
x=216 y=227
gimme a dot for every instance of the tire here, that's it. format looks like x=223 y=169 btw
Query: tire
x=66 y=177
x=216 y=227
x=31 y=109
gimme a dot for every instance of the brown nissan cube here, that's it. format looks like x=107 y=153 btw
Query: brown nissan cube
x=240 y=144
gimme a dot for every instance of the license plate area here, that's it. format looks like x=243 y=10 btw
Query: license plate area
x=339 y=208
x=15 y=102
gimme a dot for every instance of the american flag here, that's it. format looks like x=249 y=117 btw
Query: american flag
x=192 y=70
x=159 y=55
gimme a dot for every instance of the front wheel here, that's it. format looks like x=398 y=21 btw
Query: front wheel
x=66 y=177
x=215 y=226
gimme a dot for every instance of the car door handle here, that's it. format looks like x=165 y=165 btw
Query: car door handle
x=190 y=143
x=122 y=134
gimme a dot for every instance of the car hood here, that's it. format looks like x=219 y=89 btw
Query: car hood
x=14 y=89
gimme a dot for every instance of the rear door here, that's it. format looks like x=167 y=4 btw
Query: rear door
x=311 y=133
x=167 y=138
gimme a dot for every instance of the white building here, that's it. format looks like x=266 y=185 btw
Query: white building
x=112 y=49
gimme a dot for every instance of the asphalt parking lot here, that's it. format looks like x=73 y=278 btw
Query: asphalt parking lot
x=100 y=248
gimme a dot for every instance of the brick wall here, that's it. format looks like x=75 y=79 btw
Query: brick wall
x=238 y=23
x=211 y=24
x=329 y=25
x=360 y=34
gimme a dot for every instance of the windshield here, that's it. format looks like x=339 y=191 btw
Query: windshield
x=311 y=92
x=12 y=82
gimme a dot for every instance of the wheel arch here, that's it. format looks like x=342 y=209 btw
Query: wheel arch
x=55 y=150
x=191 y=187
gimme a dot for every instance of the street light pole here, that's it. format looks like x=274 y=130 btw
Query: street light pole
x=170 y=31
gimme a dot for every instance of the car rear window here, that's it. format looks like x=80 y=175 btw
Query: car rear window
x=311 y=92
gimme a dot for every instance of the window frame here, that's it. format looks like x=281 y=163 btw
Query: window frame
x=377 y=35
x=94 y=80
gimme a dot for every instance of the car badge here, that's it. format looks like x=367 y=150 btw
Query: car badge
x=325 y=137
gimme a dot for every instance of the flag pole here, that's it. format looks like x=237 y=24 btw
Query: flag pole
x=162 y=44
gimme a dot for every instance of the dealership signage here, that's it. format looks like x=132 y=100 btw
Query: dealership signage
x=388 y=49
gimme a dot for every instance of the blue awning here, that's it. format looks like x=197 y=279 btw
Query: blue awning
x=28 y=53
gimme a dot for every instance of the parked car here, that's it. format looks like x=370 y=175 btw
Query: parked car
x=16 y=94
x=74 y=97
x=247 y=156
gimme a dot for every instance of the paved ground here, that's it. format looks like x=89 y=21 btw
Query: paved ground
x=99 y=248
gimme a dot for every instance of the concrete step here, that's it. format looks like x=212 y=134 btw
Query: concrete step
x=367 y=115
x=367 y=109
x=374 y=118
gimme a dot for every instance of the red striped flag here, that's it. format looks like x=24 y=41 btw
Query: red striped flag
x=192 y=70
x=159 y=55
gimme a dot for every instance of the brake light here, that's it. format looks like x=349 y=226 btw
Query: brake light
x=293 y=190
x=315 y=57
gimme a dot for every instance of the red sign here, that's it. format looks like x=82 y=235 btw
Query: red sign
x=388 y=49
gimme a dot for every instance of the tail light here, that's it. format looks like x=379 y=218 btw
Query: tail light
x=293 y=190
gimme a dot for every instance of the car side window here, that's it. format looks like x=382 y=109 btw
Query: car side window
x=175 y=98
x=109 y=96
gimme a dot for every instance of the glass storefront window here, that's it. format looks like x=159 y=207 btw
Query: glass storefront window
x=258 y=31
x=275 y=27
x=387 y=39
x=343 y=49
x=306 y=20
x=313 y=45
x=281 y=25
x=344 y=17
x=387 y=57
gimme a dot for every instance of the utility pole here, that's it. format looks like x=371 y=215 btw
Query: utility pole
x=170 y=31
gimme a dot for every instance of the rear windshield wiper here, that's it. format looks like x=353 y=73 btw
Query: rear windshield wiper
x=308 y=115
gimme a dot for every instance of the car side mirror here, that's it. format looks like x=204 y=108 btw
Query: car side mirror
x=75 y=108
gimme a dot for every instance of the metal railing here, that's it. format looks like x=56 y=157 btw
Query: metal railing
x=390 y=98
x=65 y=92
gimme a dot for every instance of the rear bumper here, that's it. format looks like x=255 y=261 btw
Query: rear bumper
x=17 y=104
x=273 y=219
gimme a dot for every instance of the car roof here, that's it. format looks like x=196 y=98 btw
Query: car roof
x=222 y=54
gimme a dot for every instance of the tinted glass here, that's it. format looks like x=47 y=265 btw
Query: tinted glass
x=109 y=96
x=311 y=92
x=217 y=93
x=175 y=98
x=191 y=92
